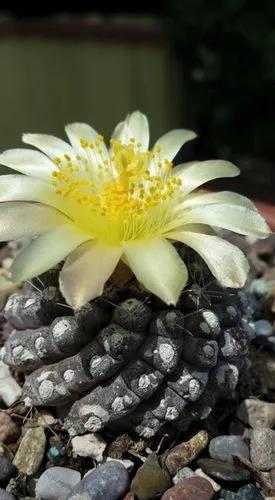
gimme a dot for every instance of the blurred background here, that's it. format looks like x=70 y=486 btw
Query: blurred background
x=204 y=65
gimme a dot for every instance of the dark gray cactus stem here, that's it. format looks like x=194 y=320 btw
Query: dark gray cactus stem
x=130 y=366
x=30 y=349
x=112 y=348
x=157 y=357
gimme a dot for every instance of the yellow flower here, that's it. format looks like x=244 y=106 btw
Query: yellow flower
x=95 y=206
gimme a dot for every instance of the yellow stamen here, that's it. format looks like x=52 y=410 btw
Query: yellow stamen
x=118 y=190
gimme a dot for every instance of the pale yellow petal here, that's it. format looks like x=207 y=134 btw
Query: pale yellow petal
x=171 y=142
x=24 y=188
x=50 y=145
x=28 y=162
x=46 y=251
x=118 y=131
x=232 y=217
x=194 y=174
x=134 y=126
x=78 y=131
x=158 y=267
x=224 y=197
x=22 y=219
x=226 y=262
x=86 y=271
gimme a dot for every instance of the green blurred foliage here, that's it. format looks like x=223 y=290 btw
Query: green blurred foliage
x=227 y=49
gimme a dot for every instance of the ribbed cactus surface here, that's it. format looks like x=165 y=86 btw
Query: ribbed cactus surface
x=125 y=360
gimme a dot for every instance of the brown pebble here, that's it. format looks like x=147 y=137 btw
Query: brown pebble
x=9 y=431
x=129 y=496
x=191 y=488
x=119 y=446
x=184 y=453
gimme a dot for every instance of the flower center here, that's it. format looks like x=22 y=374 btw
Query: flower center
x=122 y=186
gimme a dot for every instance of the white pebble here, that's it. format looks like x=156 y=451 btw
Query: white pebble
x=89 y=445
x=10 y=390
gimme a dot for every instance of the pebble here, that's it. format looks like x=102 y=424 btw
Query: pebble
x=57 y=482
x=109 y=481
x=257 y=413
x=45 y=418
x=223 y=447
x=227 y=495
x=31 y=450
x=7 y=470
x=5 y=495
x=151 y=480
x=10 y=390
x=249 y=492
x=9 y=431
x=89 y=445
x=223 y=470
x=128 y=464
x=260 y=287
x=54 y=454
x=191 y=488
x=216 y=487
x=183 y=474
x=262 y=448
x=184 y=453
x=263 y=328
x=129 y=496
x=272 y=477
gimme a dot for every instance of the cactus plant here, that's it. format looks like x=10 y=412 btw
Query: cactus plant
x=130 y=363
x=134 y=356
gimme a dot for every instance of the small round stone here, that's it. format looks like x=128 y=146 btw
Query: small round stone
x=109 y=481
x=56 y=482
x=7 y=470
x=249 y=492
x=183 y=474
x=260 y=287
x=263 y=328
x=6 y=495
x=191 y=488
x=223 y=470
x=9 y=430
x=224 y=447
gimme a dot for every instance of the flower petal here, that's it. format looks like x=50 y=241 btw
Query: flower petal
x=20 y=220
x=50 y=145
x=86 y=271
x=29 y=162
x=117 y=133
x=232 y=217
x=224 y=197
x=171 y=143
x=158 y=267
x=194 y=174
x=22 y=188
x=226 y=262
x=78 y=131
x=46 y=251
x=135 y=126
